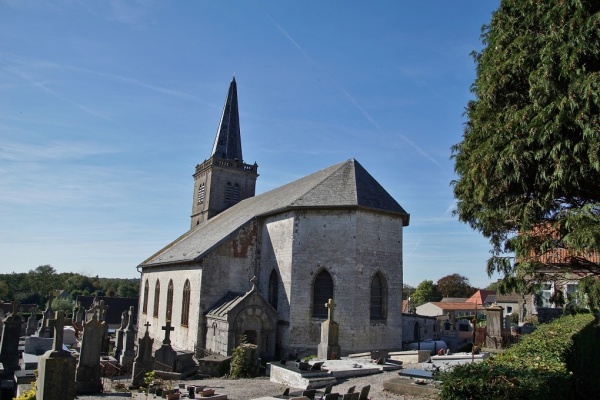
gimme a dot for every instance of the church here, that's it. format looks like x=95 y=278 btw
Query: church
x=260 y=268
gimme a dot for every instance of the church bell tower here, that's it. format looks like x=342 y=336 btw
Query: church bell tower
x=224 y=179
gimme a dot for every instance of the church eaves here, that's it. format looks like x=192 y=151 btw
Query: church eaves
x=228 y=143
x=343 y=185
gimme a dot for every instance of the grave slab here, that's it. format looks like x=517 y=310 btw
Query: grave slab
x=290 y=375
x=407 y=386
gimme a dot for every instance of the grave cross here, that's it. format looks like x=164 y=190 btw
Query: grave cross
x=330 y=306
x=168 y=329
x=58 y=323
x=147 y=325
x=102 y=309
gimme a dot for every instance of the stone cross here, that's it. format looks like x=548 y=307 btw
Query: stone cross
x=147 y=325
x=58 y=323
x=102 y=309
x=131 y=322
x=168 y=329
x=330 y=306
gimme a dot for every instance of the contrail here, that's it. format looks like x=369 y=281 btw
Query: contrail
x=348 y=96
x=45 y=88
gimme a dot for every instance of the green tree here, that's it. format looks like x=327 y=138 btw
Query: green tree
x=528 y=166
x=455 y=285
x=425 y=292
x=43 y=280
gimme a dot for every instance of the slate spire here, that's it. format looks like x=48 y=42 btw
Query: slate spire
x=228 y=143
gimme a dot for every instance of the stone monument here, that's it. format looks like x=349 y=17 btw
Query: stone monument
x=56 y=368
x=46 y=330
x=144 y=361
x=165 y=357
x=120 y=334
x=9 y=344
x=129 y=341
x=87 y=377
x=32 y=323
x=78 y=314
x=329 y=348
x=493 y=336
x=102 y=311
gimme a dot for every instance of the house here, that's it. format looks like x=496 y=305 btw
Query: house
x=261 y=268
x=457 y=310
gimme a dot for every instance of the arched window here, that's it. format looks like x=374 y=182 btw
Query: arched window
x=185 y=304
x=273 y=289
x=156 y=298
x=201 y=190
x=236 y=193
x=228 y=193
x=322 y=291
x=145 y=304
x=169 y=301
x=378 y=297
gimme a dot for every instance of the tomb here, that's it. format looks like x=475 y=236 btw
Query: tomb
x=329 y=348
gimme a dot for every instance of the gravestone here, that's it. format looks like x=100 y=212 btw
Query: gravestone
x=129 y=340
x=144 y=361
x=329 y=348
x=165 y=357
x=46 y=330
x=87 y=376
x=102 y=311
x=56 y=368
x=495 y=320
x=32 y=322
x=120 y=334
x=9 y=344
x=78 y=314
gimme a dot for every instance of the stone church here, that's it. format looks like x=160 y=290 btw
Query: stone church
x=261 y=268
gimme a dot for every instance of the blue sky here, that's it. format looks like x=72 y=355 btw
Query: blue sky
x=107 y=106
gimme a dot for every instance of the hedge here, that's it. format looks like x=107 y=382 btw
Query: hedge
x=559 y=360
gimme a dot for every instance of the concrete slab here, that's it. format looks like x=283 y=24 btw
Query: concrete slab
x=410 y=356
x=407 y=386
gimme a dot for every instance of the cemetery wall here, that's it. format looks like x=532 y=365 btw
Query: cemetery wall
x=428 y=328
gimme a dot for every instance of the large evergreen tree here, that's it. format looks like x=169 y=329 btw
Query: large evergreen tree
x=528 y=166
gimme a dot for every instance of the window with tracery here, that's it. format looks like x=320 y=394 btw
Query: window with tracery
x=378 y=294
x=185 y=303
x=145 y=303
x=322 y=292
x=169 y=312
x=156 y=298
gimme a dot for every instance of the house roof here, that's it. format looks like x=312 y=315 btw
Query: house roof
x=480 y=296
x=346 y=185
x=226 y=304
x=454 y=300
x=455 y=306
x=116 y=306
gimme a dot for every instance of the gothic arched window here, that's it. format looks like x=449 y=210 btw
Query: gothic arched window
x=378 y=295
x=169 y=301
x=273 y=289
x=322 y=292
x=145 y=303
x=156 y=298
x=185 y=304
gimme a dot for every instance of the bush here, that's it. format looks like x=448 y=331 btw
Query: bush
x=244 y=362
x=556 y=361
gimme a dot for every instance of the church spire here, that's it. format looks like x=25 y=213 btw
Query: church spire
x=228 y=143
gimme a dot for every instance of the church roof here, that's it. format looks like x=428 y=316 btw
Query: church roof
x=346 y=184
x=228 y=143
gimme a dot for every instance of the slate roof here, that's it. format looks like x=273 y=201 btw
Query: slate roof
x=226 y=303
x=346 y=184
x=116 y=306
x=228 y=142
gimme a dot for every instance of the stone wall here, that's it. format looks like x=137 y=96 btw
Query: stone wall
x=352 y=246
x=428 y=327
x=182 y=337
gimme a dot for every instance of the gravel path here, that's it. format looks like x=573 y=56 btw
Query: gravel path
x=246 y=389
